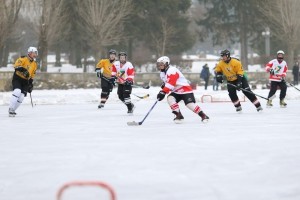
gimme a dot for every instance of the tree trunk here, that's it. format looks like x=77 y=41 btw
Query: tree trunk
x=290 y=58
x=1 y=54
x=243 y=40
x=78 y=57
x=43 y=51
x=5 y=54
x=57 y=56
x=130 y=41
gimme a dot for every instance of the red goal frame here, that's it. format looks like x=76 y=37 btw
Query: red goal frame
x=86 y=183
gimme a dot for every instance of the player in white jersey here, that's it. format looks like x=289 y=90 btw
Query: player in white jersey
x=123 y=73
x=179 y=88
x=277 y=69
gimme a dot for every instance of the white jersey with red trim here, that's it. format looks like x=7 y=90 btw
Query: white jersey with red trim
x=123 y=71
x=175 y=81
x=279 y=68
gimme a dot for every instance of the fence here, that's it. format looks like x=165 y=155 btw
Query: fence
x=89 y=80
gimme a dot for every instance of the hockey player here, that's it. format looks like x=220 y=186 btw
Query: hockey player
x=177 y=85
x=232 y=69
x=277 y=69
x=103 y=71
x=123 y=74
x=22 y=81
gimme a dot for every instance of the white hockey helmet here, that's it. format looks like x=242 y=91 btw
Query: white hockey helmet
x=280 y=52
x=32 y=49
x=164 y=59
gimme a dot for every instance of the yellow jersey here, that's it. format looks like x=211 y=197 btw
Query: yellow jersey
x=30 y=66
x=231 y=69
x=106 y=65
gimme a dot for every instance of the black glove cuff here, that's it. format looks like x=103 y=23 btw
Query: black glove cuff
x=239 y=78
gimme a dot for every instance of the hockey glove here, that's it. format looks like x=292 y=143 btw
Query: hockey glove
x=128 y=82
x=161 y=95
x=23 y=71
x=98 y=73
x=272 y=71
x=30 y=85
x=239 y=86
x=112 y=80
x=219 y=78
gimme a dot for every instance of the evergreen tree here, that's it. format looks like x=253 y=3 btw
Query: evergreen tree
x=232 y=21
x=162 y=25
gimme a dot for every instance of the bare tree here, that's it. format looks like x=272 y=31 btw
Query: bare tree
x=47 y=20
x=9 y=11
x=166 y=32
x=103 y=21
x=283 y=16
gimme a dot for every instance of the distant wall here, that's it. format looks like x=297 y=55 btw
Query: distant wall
x=89 y=80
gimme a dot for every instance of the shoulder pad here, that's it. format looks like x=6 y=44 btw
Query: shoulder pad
x=235 y=59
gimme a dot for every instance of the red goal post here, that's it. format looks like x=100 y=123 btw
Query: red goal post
x=86 y=183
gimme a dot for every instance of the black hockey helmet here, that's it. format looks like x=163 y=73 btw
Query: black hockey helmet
x=226 y=53
x=122 y=53
x=112 y=51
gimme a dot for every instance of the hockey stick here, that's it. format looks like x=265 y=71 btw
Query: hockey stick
x=293 y=86
x=142 y=97
x=139 y=86
x=134 y=123
x=272 y=97
x=31 y=99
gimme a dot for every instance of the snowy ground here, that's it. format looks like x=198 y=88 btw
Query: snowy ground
x=64 y=137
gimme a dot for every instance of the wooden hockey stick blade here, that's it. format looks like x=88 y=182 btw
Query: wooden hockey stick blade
x=142 y=97
x=141 y=122
x=133 y=123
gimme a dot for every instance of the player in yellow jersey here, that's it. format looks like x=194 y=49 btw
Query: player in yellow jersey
x=103 y=70
x=22 y=82
x=232 y=69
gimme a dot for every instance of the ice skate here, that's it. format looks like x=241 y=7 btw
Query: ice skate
x=130 y=110
x=203 y=116
x=269 y=104
x=11 y=112
x=178 y=117
x=238 y=109
x=282 y=103
x=101 y=105
x=259 y=109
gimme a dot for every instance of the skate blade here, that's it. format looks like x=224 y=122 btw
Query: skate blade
x=133 y=123
x=205 y=121
x=11 y=115
x=178 y=121
x=282 y=106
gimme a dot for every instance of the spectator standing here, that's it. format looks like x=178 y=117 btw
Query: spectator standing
x=205 y=75
x=296 y=73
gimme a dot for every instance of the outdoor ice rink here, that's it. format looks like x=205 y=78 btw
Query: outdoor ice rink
x=64 y=137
